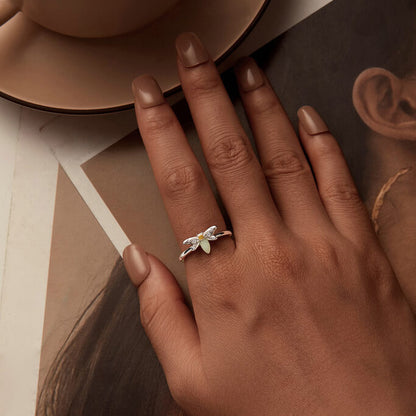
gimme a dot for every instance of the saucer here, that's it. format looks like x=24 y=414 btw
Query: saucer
x=49 y=71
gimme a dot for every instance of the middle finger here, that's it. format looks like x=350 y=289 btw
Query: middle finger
x=232 y=161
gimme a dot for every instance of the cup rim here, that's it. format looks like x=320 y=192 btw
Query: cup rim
x=168 y=92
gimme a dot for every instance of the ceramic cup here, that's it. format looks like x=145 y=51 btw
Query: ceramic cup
x=87 y=18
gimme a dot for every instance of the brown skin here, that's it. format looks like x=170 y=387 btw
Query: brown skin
x=300 y=314
x=387 y=105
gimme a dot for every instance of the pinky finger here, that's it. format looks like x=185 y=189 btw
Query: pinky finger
x=335 y=183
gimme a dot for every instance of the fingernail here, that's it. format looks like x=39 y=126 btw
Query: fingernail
x=136 y=263
x=248 y=75
x=311 y=121
x=147 y=91
x=190 y=50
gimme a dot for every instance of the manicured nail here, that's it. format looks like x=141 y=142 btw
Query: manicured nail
x=248 y=74
x=190 y=50
x=311 y=121
x=136 y=263
x=147 y=91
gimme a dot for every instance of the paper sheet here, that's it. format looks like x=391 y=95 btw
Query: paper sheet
x=26 y=269
x=9 y=122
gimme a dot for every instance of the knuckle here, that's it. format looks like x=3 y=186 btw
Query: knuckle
x=326 y=253
x=287 y=163
x=181 y=182
x=366 y=246
x=155 y=122
x=231 y=152
x=342 y=192
x=179 y=390
x=387 y=286
x=151 y=313
x=330 y=150
x=203 y=83
x=185 y=389
x=221 y=289
x=225 y=303
x=257 y=317
x=278 y=261
x=221 y=292
x=380 y=272
x=266 y=105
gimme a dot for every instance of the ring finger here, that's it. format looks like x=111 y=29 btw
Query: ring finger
x=284 y=163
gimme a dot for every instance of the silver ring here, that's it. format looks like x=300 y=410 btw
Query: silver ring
x=202 y=240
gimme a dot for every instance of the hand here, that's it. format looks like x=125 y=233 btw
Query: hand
x=301 y=313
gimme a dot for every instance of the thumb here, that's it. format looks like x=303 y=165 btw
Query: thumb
x=166 y=318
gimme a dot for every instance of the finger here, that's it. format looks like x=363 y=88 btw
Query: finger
x=185 y=190
x=284 y=163
x=230 y=157
x=165 y=317
x=335 y=183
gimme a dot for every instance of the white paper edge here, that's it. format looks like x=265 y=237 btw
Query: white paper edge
x=9 y=122
x=75 y=143
x=26 y=269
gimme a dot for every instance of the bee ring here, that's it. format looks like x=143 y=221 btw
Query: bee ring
x=202 y=240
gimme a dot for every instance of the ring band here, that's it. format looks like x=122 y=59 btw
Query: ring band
x=202 y=240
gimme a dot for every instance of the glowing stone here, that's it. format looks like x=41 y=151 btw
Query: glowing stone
x=205 y=246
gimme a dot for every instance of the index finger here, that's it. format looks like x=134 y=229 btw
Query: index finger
x=188 y=198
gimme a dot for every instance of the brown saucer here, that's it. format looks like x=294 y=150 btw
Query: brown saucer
x=49 y=71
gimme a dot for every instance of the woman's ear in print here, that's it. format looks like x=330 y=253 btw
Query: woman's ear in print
x=386 y=103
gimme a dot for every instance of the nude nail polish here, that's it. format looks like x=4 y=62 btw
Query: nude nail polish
x=190 y=50
x=248 y=75
x=147 y=92
x=311 y=121
x=136 y=263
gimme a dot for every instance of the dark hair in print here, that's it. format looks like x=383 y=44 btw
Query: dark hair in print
x=107 y=365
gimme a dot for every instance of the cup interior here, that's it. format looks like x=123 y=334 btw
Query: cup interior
x=95 y=18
